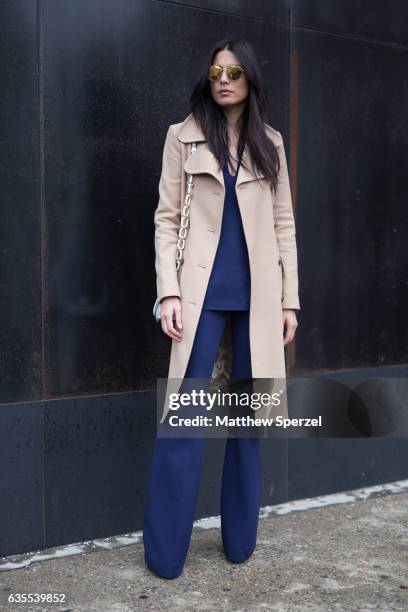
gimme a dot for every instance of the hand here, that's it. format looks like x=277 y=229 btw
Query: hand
x=289 y=318
x=170 y=308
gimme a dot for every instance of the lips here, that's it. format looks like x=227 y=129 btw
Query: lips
x=225 y=91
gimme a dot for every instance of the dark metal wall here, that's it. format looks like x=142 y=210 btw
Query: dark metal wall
x=88 y=89
x=20 y=227
x=352 y=187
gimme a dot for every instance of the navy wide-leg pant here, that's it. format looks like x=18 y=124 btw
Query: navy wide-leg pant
x=176 y=467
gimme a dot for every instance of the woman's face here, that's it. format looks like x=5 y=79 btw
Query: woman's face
x=238 y=90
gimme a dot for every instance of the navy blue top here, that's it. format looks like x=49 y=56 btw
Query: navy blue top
x=229 y=286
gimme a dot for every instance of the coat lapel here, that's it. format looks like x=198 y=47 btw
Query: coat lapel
x=203 y=160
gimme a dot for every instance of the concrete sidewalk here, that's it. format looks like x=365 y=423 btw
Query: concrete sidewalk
x=346 y=551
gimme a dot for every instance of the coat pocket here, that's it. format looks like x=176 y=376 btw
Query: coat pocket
x=280 y=262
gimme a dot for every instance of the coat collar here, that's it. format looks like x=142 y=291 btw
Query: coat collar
x=203 y=161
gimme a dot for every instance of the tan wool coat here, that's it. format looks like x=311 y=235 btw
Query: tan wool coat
x=269 y=229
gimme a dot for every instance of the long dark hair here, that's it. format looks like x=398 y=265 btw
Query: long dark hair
x=212 y=120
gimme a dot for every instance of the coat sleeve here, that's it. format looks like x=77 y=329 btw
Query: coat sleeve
x=167 y=218
x=286 y=234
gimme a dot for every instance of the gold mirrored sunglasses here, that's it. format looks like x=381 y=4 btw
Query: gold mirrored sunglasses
x=234 y=72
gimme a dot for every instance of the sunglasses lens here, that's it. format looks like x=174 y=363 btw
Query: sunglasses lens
x=235 y=72
x=214 y=73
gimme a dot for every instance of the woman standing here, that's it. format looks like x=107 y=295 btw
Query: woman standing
x=240 y=261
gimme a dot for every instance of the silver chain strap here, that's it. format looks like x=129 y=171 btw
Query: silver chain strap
x=184 y=223
x=185 y=217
